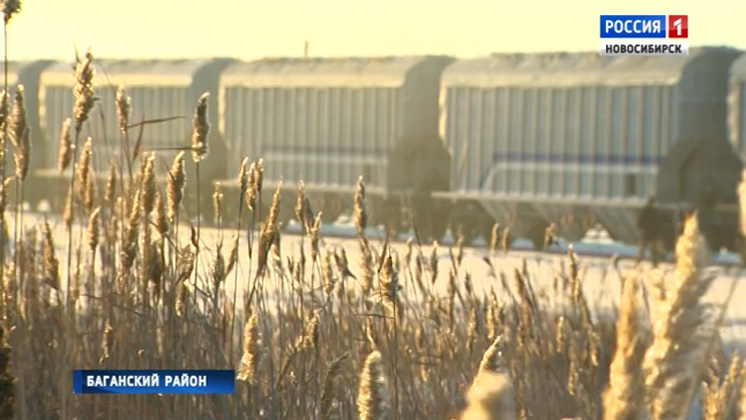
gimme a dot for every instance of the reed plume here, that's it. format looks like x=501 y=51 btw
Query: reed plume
x=252 y=350
x=251 y=191
x=625 y=397
x=129 y=242
x=201 y=129
x=65 y=154
x=148 y=186
x=373 y=390
x=89 y=196
x=83 y=169
x=22 y=156
x=243 y=176
x=124 y=106
x=274 y=207
x=493 y=359
x=720 y=397
x=94 y=225
x=10 y=8
x=175 y=186
x=671 y=364
x=343 y=265
x=83 y=91
x=111 y=184
x=388 y=283
x=50 y=263
x=327 y=275
x=492 y=398
x=259 y=176
x=159 y=216
x=19 y=134
x=361 y=216
x=217 y=204
x=741 y=395
x=18 y=124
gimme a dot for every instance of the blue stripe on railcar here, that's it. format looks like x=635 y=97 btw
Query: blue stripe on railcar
x=600 y=159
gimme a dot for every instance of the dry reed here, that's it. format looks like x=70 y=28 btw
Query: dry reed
x=490 y=399
x=625 y=397
x=671 y=363
x=372 y=400
x=65 y=146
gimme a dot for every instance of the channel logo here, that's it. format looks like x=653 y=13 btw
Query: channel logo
x=678 y=26
x=646 y=35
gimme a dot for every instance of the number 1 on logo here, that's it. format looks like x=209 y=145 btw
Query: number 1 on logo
x=678 y=26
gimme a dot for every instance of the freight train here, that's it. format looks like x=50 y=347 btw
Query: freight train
x=523 y=140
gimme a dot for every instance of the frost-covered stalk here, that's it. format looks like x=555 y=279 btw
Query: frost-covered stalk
x=673 y=361
x=10 y=8
x=84 y=100
x=243 y=183
x=19 y=136
x=83 y=94
x=625 y=396
x=200 y=131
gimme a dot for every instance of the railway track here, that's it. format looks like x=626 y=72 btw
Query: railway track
x=597 y=244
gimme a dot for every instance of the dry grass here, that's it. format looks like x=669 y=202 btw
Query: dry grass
x=318 y=336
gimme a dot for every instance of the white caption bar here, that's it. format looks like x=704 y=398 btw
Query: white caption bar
x=642 y=48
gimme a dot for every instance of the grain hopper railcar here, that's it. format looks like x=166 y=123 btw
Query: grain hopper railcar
x=328 y=120
x=158 y=89
x=737 y=105
x=578 y=139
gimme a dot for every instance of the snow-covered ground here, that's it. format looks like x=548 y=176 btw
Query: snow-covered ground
x=600 y=280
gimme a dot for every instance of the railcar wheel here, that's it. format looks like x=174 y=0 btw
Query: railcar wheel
x=432 y=220
x=423 y=226
x=391 y=219
x=468 y=231
x=331 y=209
x=439 y=224
x=574 y=226
x=537 y=235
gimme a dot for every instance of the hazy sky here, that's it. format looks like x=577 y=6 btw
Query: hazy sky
x=248 y=29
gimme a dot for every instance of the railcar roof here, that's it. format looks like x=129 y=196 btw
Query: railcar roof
x=583 y=68
x=130 y=72
x=342 y=71
x=738 y=69
x=14 y=69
